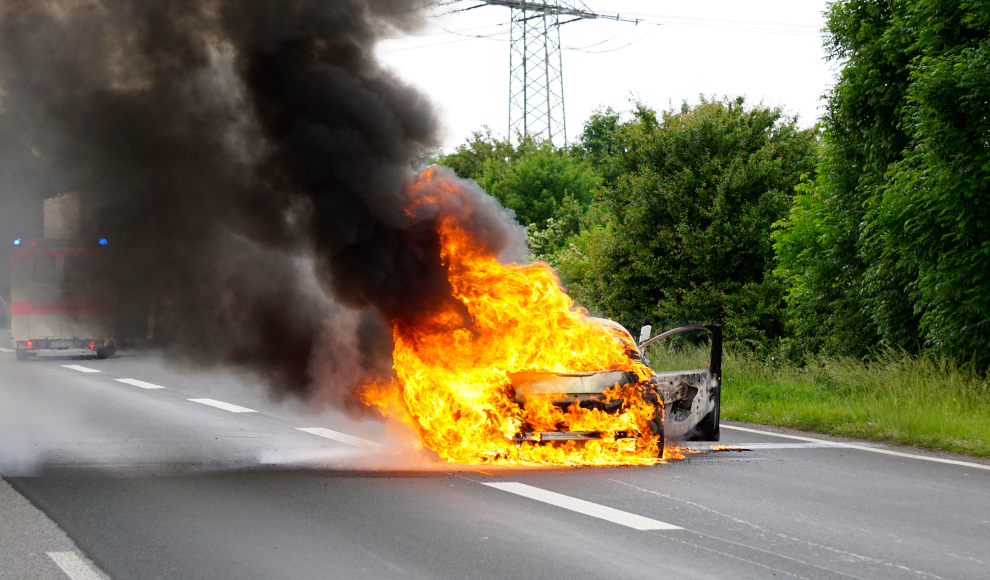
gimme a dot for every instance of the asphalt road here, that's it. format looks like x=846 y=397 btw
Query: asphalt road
x=112 y=479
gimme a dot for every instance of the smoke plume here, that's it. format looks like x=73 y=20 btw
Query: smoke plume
x=246 y=159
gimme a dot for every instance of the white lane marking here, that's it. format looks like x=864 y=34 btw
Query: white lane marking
x=765 y=532
x=585 y=507
x=5 y=349
x=862 y=448
x=137 y=383
x=338 y=436
x=81 y=369
x=707 y=448
x=73 y=566
x=756 y=446
x=224 y=406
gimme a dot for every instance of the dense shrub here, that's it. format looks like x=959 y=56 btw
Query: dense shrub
x=683 y=232
x=888 y=246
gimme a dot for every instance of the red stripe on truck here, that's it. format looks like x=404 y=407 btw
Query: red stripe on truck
x=28 y=254
x=63 y=307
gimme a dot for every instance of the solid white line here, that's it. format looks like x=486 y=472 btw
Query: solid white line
x=137 y=383
x=73 y=566
x=224 y=406
x=707 y=447
x=338 y=436
x=760 y=446
x=5 y=349
x=584 y=507
x=862 y=448
x=81 y=369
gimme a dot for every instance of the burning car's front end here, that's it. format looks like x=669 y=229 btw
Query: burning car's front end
x=686 y=403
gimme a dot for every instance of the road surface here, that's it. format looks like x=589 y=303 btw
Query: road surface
x=106 y=476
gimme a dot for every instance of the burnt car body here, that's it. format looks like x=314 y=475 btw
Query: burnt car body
x=690 y=399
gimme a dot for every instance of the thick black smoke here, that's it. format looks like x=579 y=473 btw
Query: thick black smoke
x=224 y=147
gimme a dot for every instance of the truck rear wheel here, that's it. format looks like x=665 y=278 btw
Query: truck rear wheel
x=21 y=355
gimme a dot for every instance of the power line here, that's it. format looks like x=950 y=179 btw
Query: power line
x=649 y=32
x=727 y=24
x=446 y=42
x=459 y=31
x=536 y=86
x=496 y=37
x=494 y=34
x=760 y=26
x=606 y=40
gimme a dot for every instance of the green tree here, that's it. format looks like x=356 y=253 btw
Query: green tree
x=547 y=187
x=840 y=298
x=932 y=217
x=470 y=158
x=600 y=137
x=887 y=245
x=535 y=181
x=685 y=234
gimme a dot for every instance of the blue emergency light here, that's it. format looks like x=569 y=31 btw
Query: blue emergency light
x=103 y=241
x=17 y=242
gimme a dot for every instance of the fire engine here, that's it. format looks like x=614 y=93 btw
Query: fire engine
x=60 y=292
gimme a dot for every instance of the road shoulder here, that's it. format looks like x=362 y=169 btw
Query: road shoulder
x=31 y=543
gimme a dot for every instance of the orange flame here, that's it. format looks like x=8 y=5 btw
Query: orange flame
x=452 y=365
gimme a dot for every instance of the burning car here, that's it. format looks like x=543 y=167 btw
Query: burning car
x=687 y=402
x=506 y=369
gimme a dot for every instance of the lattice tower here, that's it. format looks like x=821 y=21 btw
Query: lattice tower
x=536 y=76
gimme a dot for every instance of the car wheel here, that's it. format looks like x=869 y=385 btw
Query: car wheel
x=707 y=429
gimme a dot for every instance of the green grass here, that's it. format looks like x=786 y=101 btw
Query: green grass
x=898 y=398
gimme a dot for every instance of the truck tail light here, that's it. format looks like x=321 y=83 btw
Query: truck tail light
x=92 y=344
x=30 y=344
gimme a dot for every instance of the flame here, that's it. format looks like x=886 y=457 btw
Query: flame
x=727 y=448
x=452 y=364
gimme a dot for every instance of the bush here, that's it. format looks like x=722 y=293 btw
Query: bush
x=683 y=232
x=549 y=188
x=887 y=247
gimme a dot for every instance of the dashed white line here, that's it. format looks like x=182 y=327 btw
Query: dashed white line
x=338 y=436
x=5 y=349
x=74 y=566
x=137 y=383
x=862 y=448
x=224 y=406
x=81 y=369
x=760 y=446
x=584 y=507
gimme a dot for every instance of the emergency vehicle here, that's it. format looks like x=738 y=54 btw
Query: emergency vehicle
x=61 y=301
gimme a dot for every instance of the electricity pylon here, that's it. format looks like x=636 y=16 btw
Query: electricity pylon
x=536 y=76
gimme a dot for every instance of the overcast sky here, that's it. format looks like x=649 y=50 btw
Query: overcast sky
x=767 y=50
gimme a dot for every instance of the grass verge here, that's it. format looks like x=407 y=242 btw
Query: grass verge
x=897 y=398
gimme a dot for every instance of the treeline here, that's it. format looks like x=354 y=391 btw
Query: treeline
x=888 y=244
x=867 y=231
x=663 y=218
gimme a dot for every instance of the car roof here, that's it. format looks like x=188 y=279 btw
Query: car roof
x=610 y=323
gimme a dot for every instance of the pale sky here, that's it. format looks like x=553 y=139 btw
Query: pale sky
x=767 y=50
